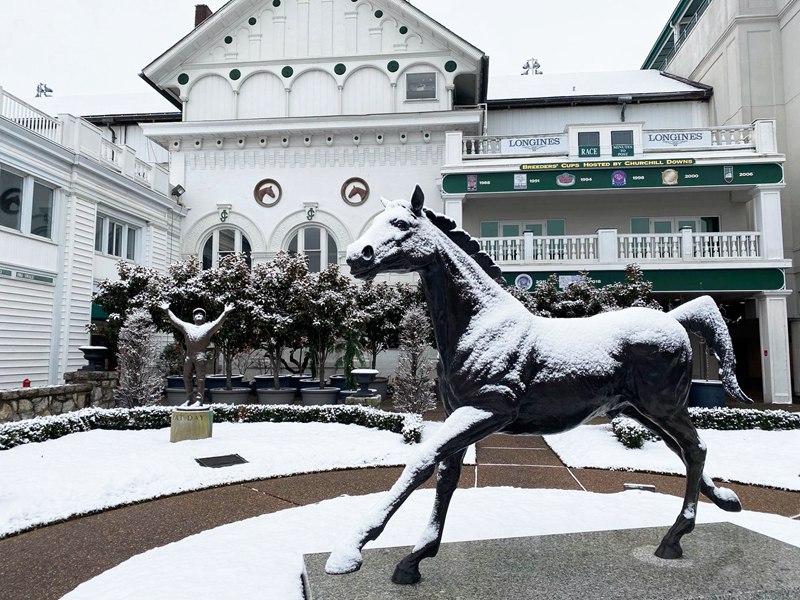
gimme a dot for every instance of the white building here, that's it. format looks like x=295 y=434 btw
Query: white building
x=747 y=50
x=72 y=204
x=299 y=115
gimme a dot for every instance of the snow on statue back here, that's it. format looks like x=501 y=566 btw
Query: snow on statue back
x=503 y=369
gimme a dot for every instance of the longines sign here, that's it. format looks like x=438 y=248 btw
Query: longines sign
x=534 y=145
x=677 y=139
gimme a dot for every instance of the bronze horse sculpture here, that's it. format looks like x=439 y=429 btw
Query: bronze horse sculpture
x=504 y=370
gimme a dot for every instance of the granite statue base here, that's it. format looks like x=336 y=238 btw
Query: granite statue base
x=721 y=560
x=190 y=424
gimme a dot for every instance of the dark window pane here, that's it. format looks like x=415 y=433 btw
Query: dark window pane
x=314 y=261
x=312 y=238
x=227 y=240
x=622 y=137
x=293 y=245
x=709 y=224
x=130 y=253
x=10 y=200
x=246 y=251
x=421 y=86
x=42 y=212
x=332 y=252
x=208 y=253
x=98 y=234
x=589 y=138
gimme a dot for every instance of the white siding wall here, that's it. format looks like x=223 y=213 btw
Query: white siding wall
x=77 y=289
x=366 y=91
x=211 y=99
x=262 y=96
x=26 y=327
x=159 y=249
x=661 y=115
x=313 y=93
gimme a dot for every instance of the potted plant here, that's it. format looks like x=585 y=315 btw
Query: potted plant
x=326 y=311
x=275 y=323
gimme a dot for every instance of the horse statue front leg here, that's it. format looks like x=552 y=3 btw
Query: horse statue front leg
x=407 y=570
x=463 y=427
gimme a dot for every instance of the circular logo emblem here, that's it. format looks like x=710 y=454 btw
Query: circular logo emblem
x=268 y=192
x=524 y=281
x=355 y=191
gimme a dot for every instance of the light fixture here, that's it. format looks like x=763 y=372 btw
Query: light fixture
x=178 y=191
x=42 y=91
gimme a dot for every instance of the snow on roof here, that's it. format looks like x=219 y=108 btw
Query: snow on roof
x=607 y=83
x=110 y=104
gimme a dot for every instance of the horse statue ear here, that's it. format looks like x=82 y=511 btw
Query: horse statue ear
x=417 y=200
x=386 y=203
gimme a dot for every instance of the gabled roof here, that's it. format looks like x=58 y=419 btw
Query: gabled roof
x=592 y=88
x=238 y=13
x=684 y=17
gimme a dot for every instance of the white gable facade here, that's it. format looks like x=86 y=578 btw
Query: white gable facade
x=299 y=115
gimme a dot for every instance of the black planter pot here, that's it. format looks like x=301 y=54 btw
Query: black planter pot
x=237 y=395
x=261 y=382
x=273 y=396
x=338 y=381
x=95 y=356
x=174 y=382
x=314 y=396
x=706 y=394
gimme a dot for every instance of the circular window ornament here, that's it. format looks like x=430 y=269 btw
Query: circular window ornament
x=235 y=74
x=355 y=191
x=267 y=192
x=252 y=20
x=403 y=30
x=228 y=39
x=340 y=69
x=183 y=79
x=287 y=72
x=392 y=66
x=524 y=281
x=378 y=14
x=276 y=3
x=450 y=66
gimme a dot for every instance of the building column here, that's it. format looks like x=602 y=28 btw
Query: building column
x=773 y=325
x=767 y=217
x=454 y=208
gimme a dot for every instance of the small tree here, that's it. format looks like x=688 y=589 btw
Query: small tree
x=230 y=284
x=140 y=378
x=326 y=312
x=383 y=306
x=272 y=290
x=414 y=384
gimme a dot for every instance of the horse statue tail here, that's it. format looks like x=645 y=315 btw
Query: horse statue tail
x=702 y=317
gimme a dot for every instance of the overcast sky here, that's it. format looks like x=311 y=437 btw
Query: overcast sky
x=86 y=47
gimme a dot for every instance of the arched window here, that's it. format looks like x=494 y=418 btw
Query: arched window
x=222 y=242
x=317 y=244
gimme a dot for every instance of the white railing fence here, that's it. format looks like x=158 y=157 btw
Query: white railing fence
x=649 y=246
x=24 y=115
x=624 y=248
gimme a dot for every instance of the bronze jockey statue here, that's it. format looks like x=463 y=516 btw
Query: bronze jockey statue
x=197 y=336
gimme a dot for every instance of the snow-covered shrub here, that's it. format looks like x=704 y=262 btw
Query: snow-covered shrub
x=42 y=429
x=141 y=382
x=633 y=435
x=413 y=385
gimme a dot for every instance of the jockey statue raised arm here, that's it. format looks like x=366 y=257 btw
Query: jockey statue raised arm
x=197 y=336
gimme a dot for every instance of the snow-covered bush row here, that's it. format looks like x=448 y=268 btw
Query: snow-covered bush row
x=633 y=435
x=42 y=429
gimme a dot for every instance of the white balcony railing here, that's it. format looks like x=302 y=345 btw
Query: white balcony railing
x=651 y=246
x=732 y=137
x=612 y=247
x=80 y=136
x=24 y=115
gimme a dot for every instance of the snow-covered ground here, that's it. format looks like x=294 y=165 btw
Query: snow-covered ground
x=262 y=557
x=95 y=470
x=767 y=458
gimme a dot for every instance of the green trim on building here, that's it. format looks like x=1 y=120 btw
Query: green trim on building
x=98 y=313
x=235 y=74
x=287 y=72
x=228 y=39
x=252 y=20
x=587 y=176
x=392 y=66
x=183 y=79
x=403 y=30
x=681 y=280
x=450 y=66
x=340 y=69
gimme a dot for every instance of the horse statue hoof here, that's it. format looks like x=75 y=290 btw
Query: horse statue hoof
x=406 y=574
x=343 y=560
x=669 y=551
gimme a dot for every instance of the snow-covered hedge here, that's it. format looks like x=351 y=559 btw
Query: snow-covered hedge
x=633 y=435
x=42 y=429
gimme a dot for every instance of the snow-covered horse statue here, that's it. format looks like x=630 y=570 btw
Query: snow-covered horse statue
x=502 y=369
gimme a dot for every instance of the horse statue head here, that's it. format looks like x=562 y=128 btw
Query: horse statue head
x=392 y=242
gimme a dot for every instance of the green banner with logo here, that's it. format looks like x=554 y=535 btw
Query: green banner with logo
x=687 y=280
x=589 y=176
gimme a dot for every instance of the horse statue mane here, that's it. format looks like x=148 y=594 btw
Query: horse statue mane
x=467 y=243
